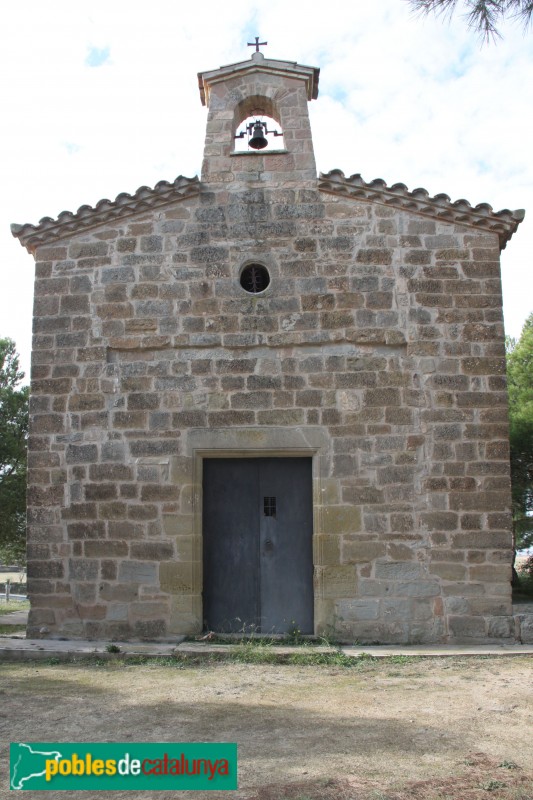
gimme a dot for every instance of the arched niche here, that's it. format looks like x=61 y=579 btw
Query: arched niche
x=257 y=107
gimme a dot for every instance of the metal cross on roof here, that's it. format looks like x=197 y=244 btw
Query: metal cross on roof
x=257 y=44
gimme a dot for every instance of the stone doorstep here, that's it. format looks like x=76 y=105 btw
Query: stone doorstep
x=13 y=649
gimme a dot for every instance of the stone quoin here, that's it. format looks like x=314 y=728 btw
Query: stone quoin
x=275 y=320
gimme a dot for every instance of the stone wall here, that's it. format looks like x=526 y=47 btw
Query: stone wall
x=377 y=348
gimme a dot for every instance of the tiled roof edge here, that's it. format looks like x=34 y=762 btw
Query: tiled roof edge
x=50 y=230
x=504 y=222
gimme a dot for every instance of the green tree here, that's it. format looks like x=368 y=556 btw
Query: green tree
x=484 y=16
x=520 y=384
x=13 y=438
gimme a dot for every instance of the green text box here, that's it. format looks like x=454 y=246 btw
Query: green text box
x=117 y=765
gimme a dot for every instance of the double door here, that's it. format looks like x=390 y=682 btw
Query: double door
x=257 y=545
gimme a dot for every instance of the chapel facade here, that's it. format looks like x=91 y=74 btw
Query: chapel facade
x=266 y=401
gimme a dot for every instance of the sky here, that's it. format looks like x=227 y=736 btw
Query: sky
x=100 y=98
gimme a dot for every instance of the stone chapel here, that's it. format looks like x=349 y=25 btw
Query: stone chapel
x=268 y=401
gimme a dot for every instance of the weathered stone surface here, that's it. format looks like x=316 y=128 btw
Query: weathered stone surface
x=358 y=609
x=397 y=571
x=341 y=519
x=336 y=581
x=354 y=552
x=377 y=350
x=138 y=572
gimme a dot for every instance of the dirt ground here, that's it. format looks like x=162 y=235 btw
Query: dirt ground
x=383 y=730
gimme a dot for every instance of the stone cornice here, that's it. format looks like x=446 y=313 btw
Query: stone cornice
x=68 y=223
x=504 y=222
x=258 y=63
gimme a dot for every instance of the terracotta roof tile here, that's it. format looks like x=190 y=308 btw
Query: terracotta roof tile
x=504 y=222
x=50 y=230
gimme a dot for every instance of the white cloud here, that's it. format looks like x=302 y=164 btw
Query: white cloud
x=405 y=99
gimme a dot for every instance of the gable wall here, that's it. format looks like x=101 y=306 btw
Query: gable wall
x=378 y=348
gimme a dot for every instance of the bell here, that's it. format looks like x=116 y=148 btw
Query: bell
x=258 y=139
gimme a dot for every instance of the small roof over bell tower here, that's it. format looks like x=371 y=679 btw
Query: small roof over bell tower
x=259 y=64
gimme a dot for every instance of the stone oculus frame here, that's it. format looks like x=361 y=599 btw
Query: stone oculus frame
x=377 y=350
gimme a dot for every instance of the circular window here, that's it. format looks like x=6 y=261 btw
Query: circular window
x=255 y=278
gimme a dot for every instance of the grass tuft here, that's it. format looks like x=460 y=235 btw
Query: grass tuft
x=14 y=605
x=9 y=630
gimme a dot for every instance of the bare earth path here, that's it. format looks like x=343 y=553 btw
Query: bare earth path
x=428 y=728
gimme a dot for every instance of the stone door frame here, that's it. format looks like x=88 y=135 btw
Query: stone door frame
x=257 y=443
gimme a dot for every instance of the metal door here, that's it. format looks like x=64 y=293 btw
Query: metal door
x=257 y=535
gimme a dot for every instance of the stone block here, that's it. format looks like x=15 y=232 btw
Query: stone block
x=108 y=570
x=119 y=592
x=464 y=629
x=375 y=256
x=362 y=495
x=358 y=609
x=341 y=519
x=336 y=582
x=118 y=612
x=154 y=447
x=456 y=605
x=100 y=491
x=356 y=552
x=178 y=524
x=440 y=520
x=151 y=551
x=146 y=610
x=45 y=569
x=421 y=609
x=480 y=501
x=46 y=496
x=112 y=510
x=151 y=244
x=84 y=593
x=397 y=571
x=382 y=397
x=286 y=416
x=326 y=549
x=181 y=577
x=427 y=632
x=162 y=493
x=138 y=572
x=189 y=548
x=122 y=529
x=82 y=569
x=418 y=588
x=105 y=549
x=401 y=552
x=395 y=608
x=118 y=275
x=449 y=572
x=326 y=491
x=524 y=624
x=38 y=617
x=150 y=629
x=395 y=474
x=185 y=614
x=491 y=573
x=481 y=540
x=483 y=366
x=81 y=454
x=130 y=420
